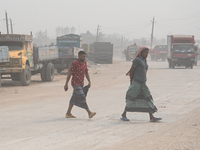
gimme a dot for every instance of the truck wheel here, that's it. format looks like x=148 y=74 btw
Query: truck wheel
x=25 y=76
x=49 y=72
x=15 y=77
x=191 y=67
x=126 y=58
x=173 y=65
x=43 y=73
x=95 y=60
x=59 y=70
x=152 y=58
x=69 y=65
x=0 y=79
x=110 y=61
x=170 y=65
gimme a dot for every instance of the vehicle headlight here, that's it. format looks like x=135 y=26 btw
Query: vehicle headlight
x=16 y=61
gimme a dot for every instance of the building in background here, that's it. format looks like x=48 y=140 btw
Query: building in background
x=60 y=31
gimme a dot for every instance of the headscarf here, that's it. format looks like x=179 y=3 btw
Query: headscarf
x=142 y=49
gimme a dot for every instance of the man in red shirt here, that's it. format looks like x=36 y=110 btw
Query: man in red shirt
x=78 y=71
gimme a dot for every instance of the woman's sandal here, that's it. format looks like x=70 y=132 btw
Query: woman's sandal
x=155 y=119
x=124 y=119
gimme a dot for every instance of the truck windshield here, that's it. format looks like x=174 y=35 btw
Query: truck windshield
x=13 y=45
x=162 y=47
x=183 y=48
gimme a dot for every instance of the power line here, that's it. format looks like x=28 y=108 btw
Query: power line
x=182 y=17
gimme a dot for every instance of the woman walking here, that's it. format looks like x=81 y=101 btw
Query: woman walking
x=138 y=96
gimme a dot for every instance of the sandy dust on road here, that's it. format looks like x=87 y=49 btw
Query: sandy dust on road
x=33 y=117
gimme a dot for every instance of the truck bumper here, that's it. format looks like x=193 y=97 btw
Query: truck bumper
x=11 y=70
x=183 y=61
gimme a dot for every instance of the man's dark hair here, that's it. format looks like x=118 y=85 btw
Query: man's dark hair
x=81 y=53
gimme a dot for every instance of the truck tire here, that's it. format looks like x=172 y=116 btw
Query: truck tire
x=0 y=79
x=59 y=70
x=15 y=77
x=110 y=61
x=191 y=67
x=152 y=58
x=43 y=73
x=69 y=65
x=96 y=60
x=170 y=65
x=49 y=72
x=25 y=76
x=126 y=58
x=173 y=65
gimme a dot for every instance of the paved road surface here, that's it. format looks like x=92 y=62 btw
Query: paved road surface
x=33 y=117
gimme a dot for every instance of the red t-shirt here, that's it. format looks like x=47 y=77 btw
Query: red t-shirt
x=79 y=69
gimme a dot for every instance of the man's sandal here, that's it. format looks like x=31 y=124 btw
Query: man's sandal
x=70 y=116
x=92 y=114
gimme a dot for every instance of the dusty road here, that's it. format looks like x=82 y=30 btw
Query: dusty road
x=33 y=117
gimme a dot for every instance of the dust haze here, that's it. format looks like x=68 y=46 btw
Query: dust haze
x=33 y=102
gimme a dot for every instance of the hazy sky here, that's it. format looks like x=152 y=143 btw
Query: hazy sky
x=130 y=18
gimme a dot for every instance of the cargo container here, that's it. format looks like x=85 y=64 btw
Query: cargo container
x=101 y=52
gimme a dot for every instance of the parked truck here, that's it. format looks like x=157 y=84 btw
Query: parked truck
x=180 y=50
x=68 y=45
x=131 y=52
x=158 y=52
x=20 y=59
x=100 y=52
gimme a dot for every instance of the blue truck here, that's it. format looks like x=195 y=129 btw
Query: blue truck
x=68 y=46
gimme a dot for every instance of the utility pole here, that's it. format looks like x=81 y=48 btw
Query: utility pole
x=7 y=23
x=45 y=37
x=152 y=32
x=11 y=26
x=98 y=28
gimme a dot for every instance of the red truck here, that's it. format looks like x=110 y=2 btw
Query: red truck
x=180 y=50
x=158 y=52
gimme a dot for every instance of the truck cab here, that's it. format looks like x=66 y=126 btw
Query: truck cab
x=20 y=56
x=158 y=52
x=131 y=52
x=25 y=60
x=101 y=52
x=181 y=50
x=68 y=45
